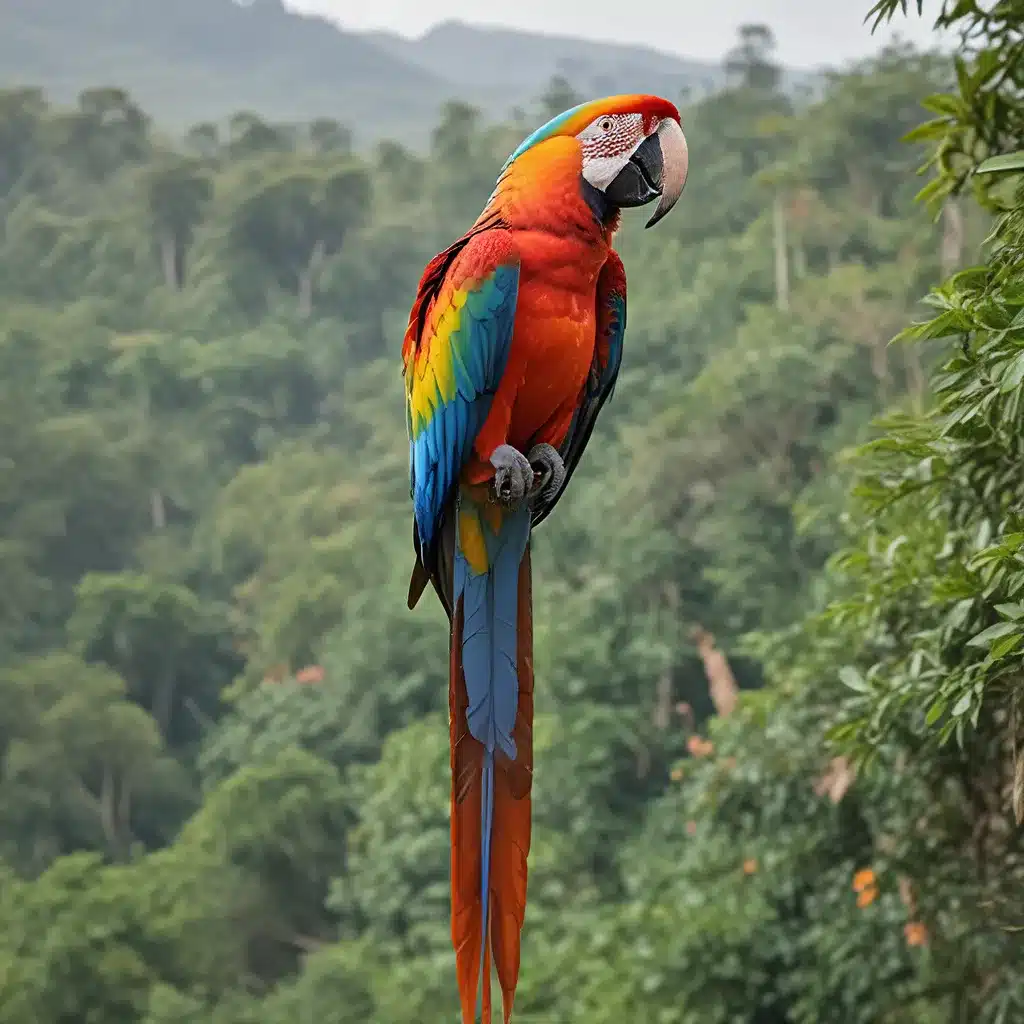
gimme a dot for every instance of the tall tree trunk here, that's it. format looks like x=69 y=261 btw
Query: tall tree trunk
x=169 y=261
x=108 y=815
x=124 y=811
x=880 y=368
x=661 y=714
x=952 y=245
x=781 y=254
x=663 y=704
x=157 y=510
x=116 y=827
x=163 y=702
x=307 y=280
x=916 y=383
x=306 y=293
x=878 y=348
x=862 y=185
x=799 y=261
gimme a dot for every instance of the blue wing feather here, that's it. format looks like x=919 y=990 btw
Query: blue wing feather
x=454 y=385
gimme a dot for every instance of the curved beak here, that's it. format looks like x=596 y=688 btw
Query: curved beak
x=657 y=170
x=675 y=161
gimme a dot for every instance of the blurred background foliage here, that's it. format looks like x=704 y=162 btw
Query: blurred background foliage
x=223 y=753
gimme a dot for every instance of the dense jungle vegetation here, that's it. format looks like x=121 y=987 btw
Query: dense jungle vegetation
x=223 y=743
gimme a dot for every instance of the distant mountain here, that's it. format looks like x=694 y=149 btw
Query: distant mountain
x=192 y=60
x=520 y=64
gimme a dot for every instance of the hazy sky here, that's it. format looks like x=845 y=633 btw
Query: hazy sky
x=810 y=32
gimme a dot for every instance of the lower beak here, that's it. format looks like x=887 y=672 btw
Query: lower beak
x=657 y=169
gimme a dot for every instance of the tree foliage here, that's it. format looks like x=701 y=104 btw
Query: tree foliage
x=223 y=767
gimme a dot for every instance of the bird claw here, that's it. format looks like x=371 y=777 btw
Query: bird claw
x=513 y=475
x=550 y=473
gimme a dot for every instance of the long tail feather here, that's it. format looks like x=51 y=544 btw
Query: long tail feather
x=512 y=812
x=490 y=698
x=467 y=777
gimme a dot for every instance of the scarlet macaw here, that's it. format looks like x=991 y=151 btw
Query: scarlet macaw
x=513 y=346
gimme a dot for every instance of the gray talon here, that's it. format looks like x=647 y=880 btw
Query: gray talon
x=548 y=464
x=513 y=475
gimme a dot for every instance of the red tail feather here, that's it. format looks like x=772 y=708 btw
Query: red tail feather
x=466 y=764
x=510 y=843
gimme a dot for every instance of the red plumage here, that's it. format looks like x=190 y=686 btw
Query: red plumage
x=537 y=207
x=571 y=289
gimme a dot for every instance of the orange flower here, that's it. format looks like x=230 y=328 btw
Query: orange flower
x=916 y=934
x=310 y=674
x=866 y=897
x=749 y=866
x=699 y=747
x=864 y=879
x=691 y=828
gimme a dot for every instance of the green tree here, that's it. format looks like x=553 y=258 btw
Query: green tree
x=175 y=196
x=558 y=97
x=296 y=220
x=750 y=62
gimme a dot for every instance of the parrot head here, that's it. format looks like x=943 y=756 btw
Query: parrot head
x=633 y=149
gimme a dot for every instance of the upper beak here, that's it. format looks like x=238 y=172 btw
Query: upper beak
x=657 y=169
x=675 y=163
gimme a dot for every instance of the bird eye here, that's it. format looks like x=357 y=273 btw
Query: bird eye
x=606 y=124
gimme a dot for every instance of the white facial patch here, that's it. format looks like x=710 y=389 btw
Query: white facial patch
x=608 y=142
x=601 y=171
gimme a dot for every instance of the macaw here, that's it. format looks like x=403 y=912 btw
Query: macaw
x=513 y=346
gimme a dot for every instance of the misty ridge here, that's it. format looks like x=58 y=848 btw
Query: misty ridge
x=199 y=60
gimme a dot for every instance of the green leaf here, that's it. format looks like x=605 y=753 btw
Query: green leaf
x=986 y=636
x=962 y=705
x=962 y=9
x=1006 y=162
x=970 y=277
x=893 y=548
x=988 y=62
x=1014 y=374
x=958 y=615
x=852 y=679
x=933 y=129
x=943 y=103
x=935 y=712
x=952 y=321
x=933 y=191
x=1005 y=646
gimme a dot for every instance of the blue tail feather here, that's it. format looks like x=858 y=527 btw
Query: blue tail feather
x=489 y=662
x=487 y=824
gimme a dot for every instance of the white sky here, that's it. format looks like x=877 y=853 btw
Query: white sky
x=810 y=32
